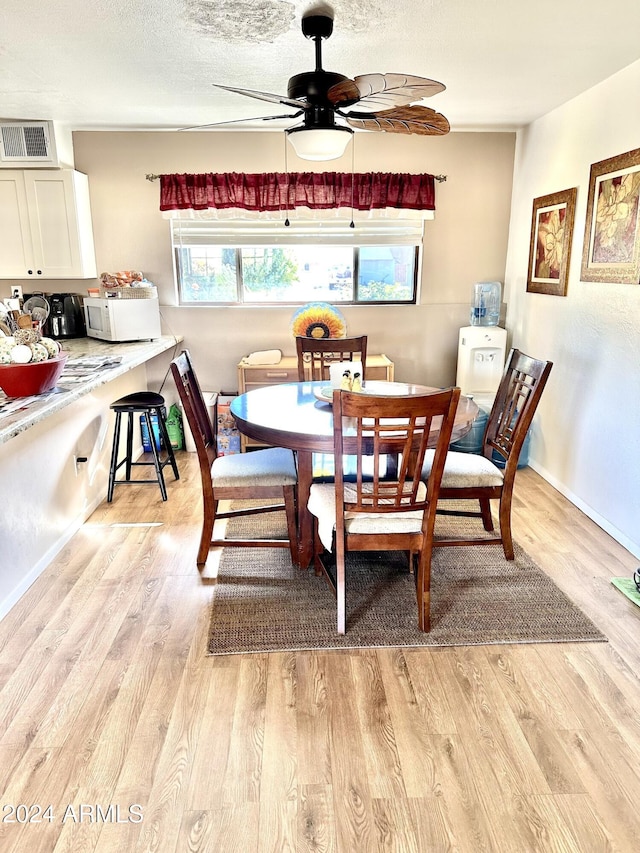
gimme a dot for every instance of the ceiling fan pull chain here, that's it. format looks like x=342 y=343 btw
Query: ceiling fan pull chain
x=353 y=177
x=286 y=172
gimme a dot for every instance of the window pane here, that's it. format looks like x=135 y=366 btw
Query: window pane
x=386 y=273
x=297 y=273
x=210 y=272
x=207 y=273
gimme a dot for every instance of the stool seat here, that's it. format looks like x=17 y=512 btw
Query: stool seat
x=147 y=403
x=138 y=401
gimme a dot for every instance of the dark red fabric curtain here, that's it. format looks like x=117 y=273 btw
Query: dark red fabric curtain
x=274 y=191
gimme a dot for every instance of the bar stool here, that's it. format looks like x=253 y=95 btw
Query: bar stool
x=146 y=403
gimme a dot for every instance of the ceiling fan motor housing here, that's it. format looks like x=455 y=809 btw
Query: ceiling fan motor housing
x=313 y=86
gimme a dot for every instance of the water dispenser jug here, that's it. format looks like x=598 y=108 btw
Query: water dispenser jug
x=485 y=306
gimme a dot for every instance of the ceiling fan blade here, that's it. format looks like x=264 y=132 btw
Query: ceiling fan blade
x=239 y=120
x=414 y=119
x=383 y=91
x=265 y=96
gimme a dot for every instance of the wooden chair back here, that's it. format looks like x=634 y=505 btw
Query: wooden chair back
x=516 y=401
x=376 y=427
x=315 y=356
x=195 y=409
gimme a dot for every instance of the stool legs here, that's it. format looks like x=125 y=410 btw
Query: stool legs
x=114 y=457
x=130 y=446
x=128 y=460
x=154 y=453
x=171 y=459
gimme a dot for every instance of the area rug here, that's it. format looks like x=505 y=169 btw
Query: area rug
x=262 y=603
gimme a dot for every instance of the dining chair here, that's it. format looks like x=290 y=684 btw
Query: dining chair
x=258 y=475
x=378 y=514
x=315 y=355
x=476 y=476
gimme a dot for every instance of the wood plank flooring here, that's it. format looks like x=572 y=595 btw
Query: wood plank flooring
x=112 y=714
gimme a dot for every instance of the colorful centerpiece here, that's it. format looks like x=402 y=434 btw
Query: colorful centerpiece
x=29 y=363
x=318 y=320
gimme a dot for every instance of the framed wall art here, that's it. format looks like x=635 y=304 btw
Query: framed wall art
x=611 y=251
x=550 y=246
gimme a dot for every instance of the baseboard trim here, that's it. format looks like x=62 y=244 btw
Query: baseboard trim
x=16 y=594
x=618 y=535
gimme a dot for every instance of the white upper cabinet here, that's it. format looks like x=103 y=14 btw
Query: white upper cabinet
x=45 y=225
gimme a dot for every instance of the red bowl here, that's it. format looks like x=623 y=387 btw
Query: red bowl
x=25 y=380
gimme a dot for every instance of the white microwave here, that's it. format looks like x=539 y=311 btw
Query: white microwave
x=113 y=319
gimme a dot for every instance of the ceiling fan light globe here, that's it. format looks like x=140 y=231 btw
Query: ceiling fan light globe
x=326 y=143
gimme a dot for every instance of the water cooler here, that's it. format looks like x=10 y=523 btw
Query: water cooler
x=482 y=349
x=481 y=355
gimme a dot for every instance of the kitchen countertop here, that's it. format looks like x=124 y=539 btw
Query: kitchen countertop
x=91 y=363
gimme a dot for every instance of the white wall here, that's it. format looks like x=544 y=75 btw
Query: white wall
x=586 y=439
x=466 y=242
x=44 y=496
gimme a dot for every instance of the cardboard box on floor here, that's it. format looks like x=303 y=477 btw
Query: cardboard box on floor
x=228 y=434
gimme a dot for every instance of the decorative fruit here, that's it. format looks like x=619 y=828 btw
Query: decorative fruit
x=38 y=352
x=21 y=354
x=52 y=347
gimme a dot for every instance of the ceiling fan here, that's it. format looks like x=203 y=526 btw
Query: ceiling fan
x=324 y=99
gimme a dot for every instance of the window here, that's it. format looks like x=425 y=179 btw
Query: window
x=263 y=263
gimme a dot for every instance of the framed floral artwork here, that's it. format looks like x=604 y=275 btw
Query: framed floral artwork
x=611 y=251
x=550 y=246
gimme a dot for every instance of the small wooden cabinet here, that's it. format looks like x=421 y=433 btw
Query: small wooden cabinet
x=45 y=220
x=258 y=375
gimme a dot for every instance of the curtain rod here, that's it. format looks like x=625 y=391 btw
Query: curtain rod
x=151 y=177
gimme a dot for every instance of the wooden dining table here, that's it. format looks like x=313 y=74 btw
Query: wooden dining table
x=299 y=416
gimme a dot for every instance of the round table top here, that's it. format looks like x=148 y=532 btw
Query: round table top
x=290 y=415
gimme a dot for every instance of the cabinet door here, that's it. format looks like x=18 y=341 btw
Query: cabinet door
x=60 y=220
x=16 y=250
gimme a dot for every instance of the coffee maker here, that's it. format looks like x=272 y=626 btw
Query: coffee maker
x=66 y=317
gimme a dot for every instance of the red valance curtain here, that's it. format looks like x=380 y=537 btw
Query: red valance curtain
x=273 y=191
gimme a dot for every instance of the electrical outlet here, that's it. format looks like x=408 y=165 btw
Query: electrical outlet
x=16 y=291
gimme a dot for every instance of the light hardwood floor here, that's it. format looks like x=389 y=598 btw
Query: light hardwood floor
x=108 y=699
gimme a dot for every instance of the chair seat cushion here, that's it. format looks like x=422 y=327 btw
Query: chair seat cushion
x=322 y=504
x=274 y=466
x=465 y=470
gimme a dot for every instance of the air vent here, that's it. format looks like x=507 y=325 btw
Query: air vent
x=24 y=144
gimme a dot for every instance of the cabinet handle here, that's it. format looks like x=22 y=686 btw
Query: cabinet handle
x=39 y=272
x=29 y=272
x=273 y=375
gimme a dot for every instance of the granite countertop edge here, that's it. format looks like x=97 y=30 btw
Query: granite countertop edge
x=37 y=409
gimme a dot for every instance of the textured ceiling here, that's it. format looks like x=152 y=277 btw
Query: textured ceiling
x=149 y=64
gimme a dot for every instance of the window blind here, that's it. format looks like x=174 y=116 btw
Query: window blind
x=370 y=232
